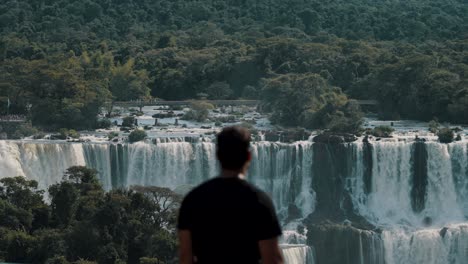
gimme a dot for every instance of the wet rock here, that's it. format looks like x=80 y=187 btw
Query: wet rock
x=338 y=243
x=293 y=212
x=288 y=136
x=272 y=136
x=427 y=221
x=164 y=115
x=334 y=138
x=443 y=231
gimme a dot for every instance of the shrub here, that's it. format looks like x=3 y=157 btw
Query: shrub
x=128 y=121
x=446 y=135
x=39 y=135
x=226 y=119
x=23 y=130
x=73 y=133
x=57 y=260
x=112 y=135
x=104 y=123
x=199 y=112
x=149 y=261
x=382 y=131
x=137 y=135
x=434 y=126
x=177 y=108
x=65 y=133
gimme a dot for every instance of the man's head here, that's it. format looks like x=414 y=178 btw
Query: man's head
x=233 y=148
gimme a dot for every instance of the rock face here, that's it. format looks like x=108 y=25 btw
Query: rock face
x=288 y=136
x=335 y=138
x=337 y=233
x=344 y=244
x=418 y=190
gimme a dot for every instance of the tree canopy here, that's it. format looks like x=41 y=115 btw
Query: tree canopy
x=67 y=57
x=83 y=222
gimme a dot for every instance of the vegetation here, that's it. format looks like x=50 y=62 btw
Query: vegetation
x=128 y=121
x=112 y=135
x=199 y=111
x=446 y=135
x=82 y=222
x=19 y=130
x=68 y=133
x=137 y=135
x=308 y=100
x=104 y=123
x=62 y=60
x=382 y=131
x=434 y=126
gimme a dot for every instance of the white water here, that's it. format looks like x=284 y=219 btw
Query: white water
x=298 y=254
x=427 y=246
x=406 y=239
x=285 y=172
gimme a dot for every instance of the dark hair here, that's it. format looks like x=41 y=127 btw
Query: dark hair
x=233 y=147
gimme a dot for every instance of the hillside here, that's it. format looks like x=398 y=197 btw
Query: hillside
x=67 y=57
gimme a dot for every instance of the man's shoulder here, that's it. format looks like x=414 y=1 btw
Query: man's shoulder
x=215 y=183
x=201 y=188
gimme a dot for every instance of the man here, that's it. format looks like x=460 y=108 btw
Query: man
x=227 y=220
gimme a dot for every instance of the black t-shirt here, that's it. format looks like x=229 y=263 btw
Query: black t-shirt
x=227 y=217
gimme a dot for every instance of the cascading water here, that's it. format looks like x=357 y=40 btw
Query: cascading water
x=416 y=192
x=282 y=170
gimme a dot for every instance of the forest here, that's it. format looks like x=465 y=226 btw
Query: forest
x=76 y=221
x=62 y=60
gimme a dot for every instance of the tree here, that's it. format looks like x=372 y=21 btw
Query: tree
x=21 y=192
x=165 y=201
x=199 y=111
x=128 y=121
x=446 y=135
x=219 y=90
x=126 y=83
x=137 y=135
x=316 y=103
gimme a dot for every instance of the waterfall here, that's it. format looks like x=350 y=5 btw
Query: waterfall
x=295 y=254
x=45 y=163
x=428 y=246
x=416 y=193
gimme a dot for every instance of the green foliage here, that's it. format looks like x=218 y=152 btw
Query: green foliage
x=112 y=135
x=434 y=126
x=22 y=130
x=61 y=61
x=446 y=135
x=382 y=131
x=199 y=111
x=219 y=90
x=149 y=261
x=126 y=83
x=137 y=135
x=104 y=123
x=87 y=224
x=316 y=103
x=128 y=121
x=66 y=133
x=58 y=260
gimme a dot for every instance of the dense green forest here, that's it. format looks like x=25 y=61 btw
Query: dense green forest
x=81 y=223
x=64 y=59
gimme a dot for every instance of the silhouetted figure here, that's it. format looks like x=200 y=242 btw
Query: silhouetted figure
x=226 y=219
